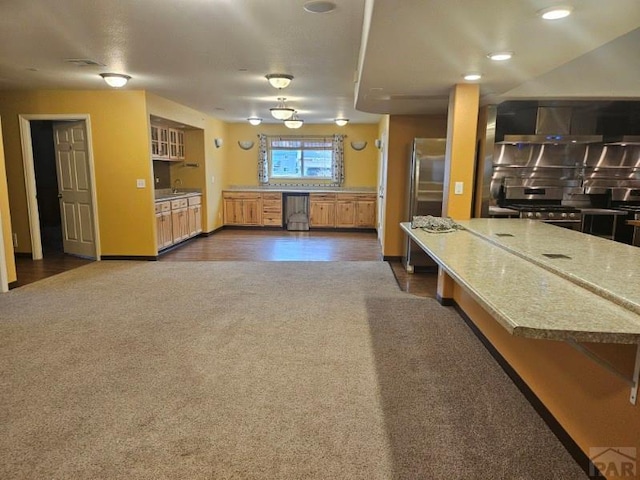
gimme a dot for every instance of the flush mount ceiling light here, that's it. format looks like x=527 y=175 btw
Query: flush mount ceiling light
x=555 y=13
x=115 y=80
x=341 y=122
x=500 y=56
x=281 y=112
x=472 y=77
x=279 y=80
x=294 y=121
x=254 y=121
x=319 y=6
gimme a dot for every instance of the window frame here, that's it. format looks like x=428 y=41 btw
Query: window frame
x=303 y=139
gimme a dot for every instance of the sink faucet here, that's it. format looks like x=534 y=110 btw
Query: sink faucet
x=177 y=183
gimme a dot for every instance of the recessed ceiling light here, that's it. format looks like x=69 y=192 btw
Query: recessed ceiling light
x=500 y=56
x=319 y=6
x=554 y=13
x=471 y=77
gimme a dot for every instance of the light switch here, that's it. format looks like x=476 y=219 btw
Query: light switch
x=458 y=188
x=140 y=183
x=213 y=179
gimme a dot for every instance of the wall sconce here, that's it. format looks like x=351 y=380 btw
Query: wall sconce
x=378 y=143
x=217 y=142
x=358 y=145
x=245 y=144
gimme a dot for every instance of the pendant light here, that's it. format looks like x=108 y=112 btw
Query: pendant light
x=341 y=122
x=294 y=121
x=281 y=112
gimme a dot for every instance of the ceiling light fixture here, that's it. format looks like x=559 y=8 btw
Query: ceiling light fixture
x=319 y=6
x=294 y=121
x=555 y=13
x=341 y=122
x=115 y=80
x=281 y=112
x=500 y=56
x=254 y=121
x=279 y=80
x=472 y=77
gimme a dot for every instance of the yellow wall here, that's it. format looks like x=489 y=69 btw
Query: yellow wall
x=360 y=167
x=402 y=130
x=199 y=148
x=121 y=151
x=6 y=218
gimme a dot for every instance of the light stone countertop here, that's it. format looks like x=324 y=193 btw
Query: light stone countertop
x=166 y=195
x=524 y=297
x=607 y=268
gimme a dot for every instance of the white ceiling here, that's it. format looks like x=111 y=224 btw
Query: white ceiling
x=212 y=55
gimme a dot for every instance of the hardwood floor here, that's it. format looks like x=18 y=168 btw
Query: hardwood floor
x=256 y=245
x=30 y=271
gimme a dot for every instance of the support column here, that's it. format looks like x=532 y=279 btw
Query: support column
x=462 y=126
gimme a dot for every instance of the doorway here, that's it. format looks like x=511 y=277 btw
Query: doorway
x=60 y=183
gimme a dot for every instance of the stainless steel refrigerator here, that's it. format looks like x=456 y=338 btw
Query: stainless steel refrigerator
x=425 y=187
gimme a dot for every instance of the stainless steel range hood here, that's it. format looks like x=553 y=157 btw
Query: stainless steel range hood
x=553 y=126
x=623 y=140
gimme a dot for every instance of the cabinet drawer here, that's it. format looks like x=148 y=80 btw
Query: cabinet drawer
x=272 y=196
x=241 y=195
x=163 y=207
x=322 y=197
x=179 y=203
x=195 y=200
x=271 y=219
x=356 y=197
x=271 y=206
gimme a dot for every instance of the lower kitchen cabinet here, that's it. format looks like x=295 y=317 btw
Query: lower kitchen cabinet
x=322 y=210
x=272 y=209
x=164 y=234
x=365 y=212
x=242 y=208
x=178 y=220
x=194 y=215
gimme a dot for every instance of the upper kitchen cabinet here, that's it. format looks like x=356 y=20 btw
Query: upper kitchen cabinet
x=167 y=143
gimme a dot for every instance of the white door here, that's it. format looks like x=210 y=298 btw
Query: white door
x=74 y=188
x=382 y=185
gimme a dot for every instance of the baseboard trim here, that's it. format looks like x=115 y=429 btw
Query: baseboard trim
x=392 y=258
x=13 y=285
x=23 y=254
x=129 y=257
x=558 y=430
x=446 y=302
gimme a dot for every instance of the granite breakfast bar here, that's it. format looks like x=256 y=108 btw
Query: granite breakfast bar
x=550 y=301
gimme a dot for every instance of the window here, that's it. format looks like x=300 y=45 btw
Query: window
x=300 y=157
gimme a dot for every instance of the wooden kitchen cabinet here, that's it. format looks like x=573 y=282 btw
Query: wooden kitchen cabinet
x=180 y=219
x=272 y=209
x=355 y=210
x=164 y=233
x=194 y=215
x=242 y=208
x=159 y=142
x=345 y=213
x=176 y=144
x=322 y=210
x=365 y=211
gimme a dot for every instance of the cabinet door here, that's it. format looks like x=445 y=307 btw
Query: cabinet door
x=322 y=214
x=366 y=214
x=163 y=142
x=155 y=148
x=272 y=209
x=232 y=211
x=167 y=233
x=173 y=144
x=252 y=211
x=195 y=220
x=345 y=214
x=180 y=144
x=180 y=224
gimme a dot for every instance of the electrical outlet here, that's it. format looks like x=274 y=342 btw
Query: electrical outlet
x=15 y=240
x=157 y=180
x=140 y=183
x=458 y=188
